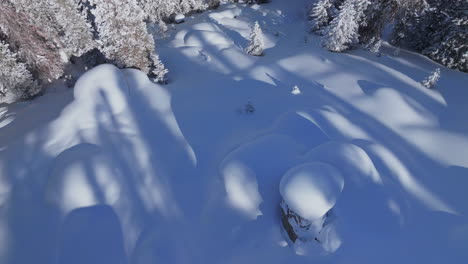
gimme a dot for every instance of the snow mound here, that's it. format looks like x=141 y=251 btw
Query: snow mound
x=311 y=189
x=244 y=168
x=347 y=158
x=106 y=83
x=179 y=18
x=242 y=188
x=76 y=175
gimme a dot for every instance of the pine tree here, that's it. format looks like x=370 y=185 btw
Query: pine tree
x=432 y=79
x=360 y=7
x=438 y=29
x=343 y=29
x=14 y=76
x=158 y=70
x=256 y=44
x=123 y=34
x=320 y=14
x=375 y=48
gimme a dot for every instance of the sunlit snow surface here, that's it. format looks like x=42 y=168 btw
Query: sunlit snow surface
x=121 y=170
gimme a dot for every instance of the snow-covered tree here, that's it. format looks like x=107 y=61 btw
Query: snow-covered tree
x=374 y=46
x=14 y=76
x=158 y=10
x=187 y=6
x=123 y=34
x=74 y=29
x=163 y=10
x=438 y=29
x=343 y=29
x=35 y=44
x=320 y=14
x=360 y=6
x=256 y=44
x=158 y=70
x=432 y=79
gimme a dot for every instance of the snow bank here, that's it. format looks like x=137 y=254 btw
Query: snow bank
x=311 y=189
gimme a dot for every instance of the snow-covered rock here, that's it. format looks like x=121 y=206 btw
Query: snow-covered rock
x=309 y=193
x=179 y=18
x=311 y=189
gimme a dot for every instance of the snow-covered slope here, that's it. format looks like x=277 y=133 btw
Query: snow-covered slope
x=121 y=170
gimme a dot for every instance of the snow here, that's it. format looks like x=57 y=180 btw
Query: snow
x=179 y=18
x=180 y=174
x=242 y=189
x=311 y=189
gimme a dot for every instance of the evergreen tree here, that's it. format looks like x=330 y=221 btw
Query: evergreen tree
x=343 y=29
x=432 y=79
x=320 y=14
x=374 y=46
x=158 y=70
x=256 y=44
x=14 y=76
x=439 y=29
x=123 y=34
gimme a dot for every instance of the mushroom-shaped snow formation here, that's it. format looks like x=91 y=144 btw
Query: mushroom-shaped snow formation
x=311 y=189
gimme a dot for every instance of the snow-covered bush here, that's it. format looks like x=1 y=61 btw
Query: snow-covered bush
x=309 y=193
x=14 y=76
x=256 y=44
x=432 y=79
